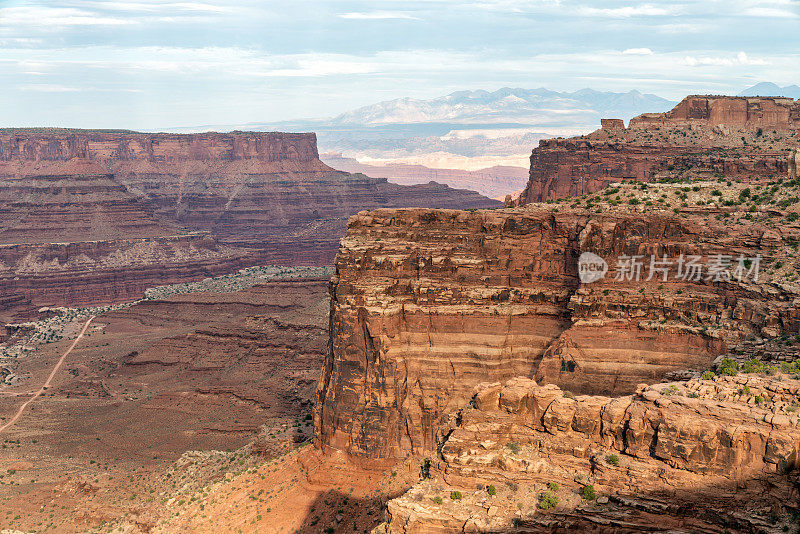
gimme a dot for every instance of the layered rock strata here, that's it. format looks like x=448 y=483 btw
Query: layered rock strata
x=428 y=303
x=703 y=135
x=268 y=192
x=89 y=272
x=774 y=113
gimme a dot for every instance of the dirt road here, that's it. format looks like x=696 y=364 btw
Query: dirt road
x=49 y=378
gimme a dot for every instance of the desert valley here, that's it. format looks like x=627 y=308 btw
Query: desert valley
x=450 y=371
x=418 y=267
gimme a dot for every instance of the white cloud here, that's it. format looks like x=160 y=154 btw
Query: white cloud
x=156 y=7
x=644 y=10
x=638 y=52
x=377 y=15
x=55 y=18
x=740 y=59
x=770 y=12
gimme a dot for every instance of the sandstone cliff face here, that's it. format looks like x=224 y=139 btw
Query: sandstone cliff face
x=22 y=151
x=428 y=303
x=738 y=137
x=74 y=208
x=268 y=192
x=735 y=112
x=693 y=455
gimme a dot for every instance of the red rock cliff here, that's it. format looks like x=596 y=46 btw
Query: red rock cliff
x=428 y=303
x=774 y=113
x=267 y=192
x=738 y=137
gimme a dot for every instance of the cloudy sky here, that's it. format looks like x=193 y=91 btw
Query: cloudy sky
x=148 y=64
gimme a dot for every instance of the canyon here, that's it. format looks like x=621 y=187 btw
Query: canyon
x=200 y=371
x=115 y=212
x=459 y=371
x=534 y=400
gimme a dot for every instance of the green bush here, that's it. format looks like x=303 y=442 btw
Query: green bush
x=438 y=500
x=588 y=493
x=490 y=489
x=455 y=495
x=728 y=367
x=613 y=460
x=708 y=375
x=547 y=500
x=752 y=366
x=552 y=486
x=513 y=447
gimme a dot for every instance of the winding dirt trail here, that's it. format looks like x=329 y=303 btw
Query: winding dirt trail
x=49 y=378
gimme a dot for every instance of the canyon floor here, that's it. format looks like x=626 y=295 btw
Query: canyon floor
x=146 y=384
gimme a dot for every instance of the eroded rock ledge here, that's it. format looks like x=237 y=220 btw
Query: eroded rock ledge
x=701 y=456
x=428 y=303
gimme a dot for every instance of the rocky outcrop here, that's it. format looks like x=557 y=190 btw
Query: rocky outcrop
x=704 y=136
x=774 y=113
x=696 y=455
x=428 y=303
x=267 y=192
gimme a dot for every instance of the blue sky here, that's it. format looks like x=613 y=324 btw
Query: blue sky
x=148 y=64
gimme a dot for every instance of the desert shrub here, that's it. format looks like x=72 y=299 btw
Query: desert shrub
x=513 y=447
x=728 y=367
x=552 y=486
x=547 y=500
x=491 y=490
x=745 y=390
x=438 y=500
x=752 y=366
x=455 y=495
x=708 y=375
x=613 y=460
x=588 y=493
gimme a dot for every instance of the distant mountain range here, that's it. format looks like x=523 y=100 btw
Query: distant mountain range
x=500 y=126
x=508 y=107
x=772 y=89
x=472 y=129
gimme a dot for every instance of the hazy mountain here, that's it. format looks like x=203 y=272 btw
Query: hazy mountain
x=485 y=127
x=507 y=106
x=772 y=89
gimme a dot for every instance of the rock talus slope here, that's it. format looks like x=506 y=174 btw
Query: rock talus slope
x=696 y=456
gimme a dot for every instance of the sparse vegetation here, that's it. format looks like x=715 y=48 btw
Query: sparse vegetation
x=548 y=500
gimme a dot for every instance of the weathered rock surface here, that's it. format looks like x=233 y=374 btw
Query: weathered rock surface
x=690 y=456
x=774 y=113
x=86 y=273
x=428 y=303
x=737 y=137
x=268 y=192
